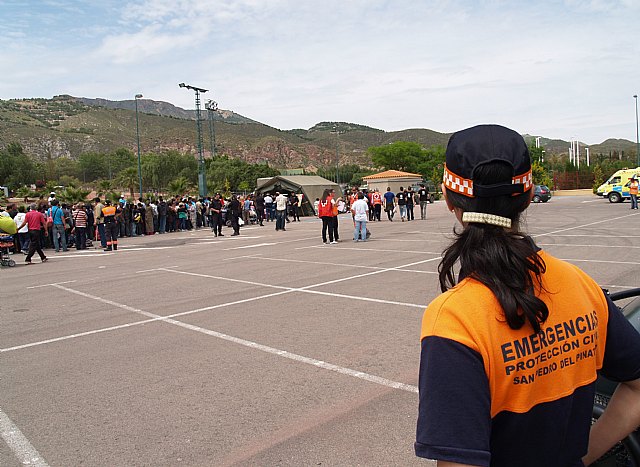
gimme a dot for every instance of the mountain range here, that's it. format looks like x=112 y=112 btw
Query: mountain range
x=66 y=126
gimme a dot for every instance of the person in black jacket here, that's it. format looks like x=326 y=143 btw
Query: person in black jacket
x=235 y=211
x=259 y=205
x=162 y=215
x=215 y=210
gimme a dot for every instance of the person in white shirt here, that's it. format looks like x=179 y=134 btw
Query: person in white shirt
x=281 y=210
x=23 y=233
x=268 y=207
x=359 y=211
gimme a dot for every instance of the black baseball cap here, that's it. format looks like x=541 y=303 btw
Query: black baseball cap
x=482 y=144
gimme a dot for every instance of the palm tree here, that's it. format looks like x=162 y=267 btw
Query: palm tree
x=104 y=186
x=129 y=178
x=74 y=195
x=179 y=186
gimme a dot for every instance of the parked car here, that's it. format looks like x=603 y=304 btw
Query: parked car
x=627 y=452
x=541 y=193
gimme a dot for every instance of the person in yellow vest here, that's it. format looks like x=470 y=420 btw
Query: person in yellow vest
x=633 y=191
x=511 y=349
x=110 y=214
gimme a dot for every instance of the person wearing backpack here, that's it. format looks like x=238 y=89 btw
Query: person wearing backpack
x=56 y=214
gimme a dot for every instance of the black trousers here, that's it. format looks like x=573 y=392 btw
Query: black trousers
x=410 y=212
x=216 y=222
x=235 y=224
x=34 y=245
x=327 y=224
x=111 y=232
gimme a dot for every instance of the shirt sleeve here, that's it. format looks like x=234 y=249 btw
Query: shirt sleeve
x=622 y=350
x=454 y=416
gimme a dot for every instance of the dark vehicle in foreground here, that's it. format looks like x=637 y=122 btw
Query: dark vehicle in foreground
x=541 y=193
x=627 y=452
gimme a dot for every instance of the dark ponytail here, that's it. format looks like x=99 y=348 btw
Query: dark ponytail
x=506 y=261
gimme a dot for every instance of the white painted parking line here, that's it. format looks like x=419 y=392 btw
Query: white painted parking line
x=596 y=235
x=575 y=260
x=588 y=246
x=254 y=256
x=584 y=225
x=254 y=345
x=49 y=285
x=257 y=245
x=333 y=247
x=19 y=445
x=323 y=263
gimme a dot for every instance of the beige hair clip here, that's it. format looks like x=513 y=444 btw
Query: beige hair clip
x=484 y=218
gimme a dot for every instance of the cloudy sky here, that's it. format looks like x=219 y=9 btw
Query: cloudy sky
x=560 y=69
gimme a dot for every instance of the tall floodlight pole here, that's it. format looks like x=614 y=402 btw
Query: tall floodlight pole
x=635 y=96
x=335 y=129
x=212 y=106
x=138 y=96
x=202 y=181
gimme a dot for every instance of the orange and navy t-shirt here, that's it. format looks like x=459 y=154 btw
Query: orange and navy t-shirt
x=495 y=396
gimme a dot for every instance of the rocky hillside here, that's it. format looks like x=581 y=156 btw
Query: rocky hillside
x=66 y=126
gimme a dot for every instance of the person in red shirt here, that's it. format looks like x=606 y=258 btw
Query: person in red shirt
x=36 y=221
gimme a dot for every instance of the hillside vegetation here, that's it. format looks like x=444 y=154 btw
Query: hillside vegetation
x=65 y=126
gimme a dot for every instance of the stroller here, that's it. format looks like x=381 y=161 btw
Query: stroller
x=6 y=244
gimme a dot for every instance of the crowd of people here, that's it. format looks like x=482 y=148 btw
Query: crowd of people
x=48 y=224
x=367 y=206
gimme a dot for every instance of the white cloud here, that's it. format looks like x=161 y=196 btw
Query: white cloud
x=554 y=67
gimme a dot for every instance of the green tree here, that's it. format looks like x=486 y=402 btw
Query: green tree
x=540 y=174
x=236 y=172
x=16 y=168
x=401 y=155
x=598 y=177
x=431 y=165
x=92 y=166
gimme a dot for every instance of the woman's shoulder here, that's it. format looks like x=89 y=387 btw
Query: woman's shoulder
x=463 y=313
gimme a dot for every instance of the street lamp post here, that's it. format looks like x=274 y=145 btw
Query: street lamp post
x=202 y=181
x=635 y=96
x=212 y=106
x=138 y=96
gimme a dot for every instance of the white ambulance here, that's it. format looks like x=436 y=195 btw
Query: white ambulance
x=616 y=189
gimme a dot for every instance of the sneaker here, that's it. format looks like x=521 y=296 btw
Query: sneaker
x=28 y=263
x=334 y=242
x=44 y=260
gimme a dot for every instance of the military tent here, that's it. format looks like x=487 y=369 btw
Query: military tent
x=311 y=186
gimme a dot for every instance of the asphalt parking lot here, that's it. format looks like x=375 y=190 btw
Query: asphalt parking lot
x=265 y=349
